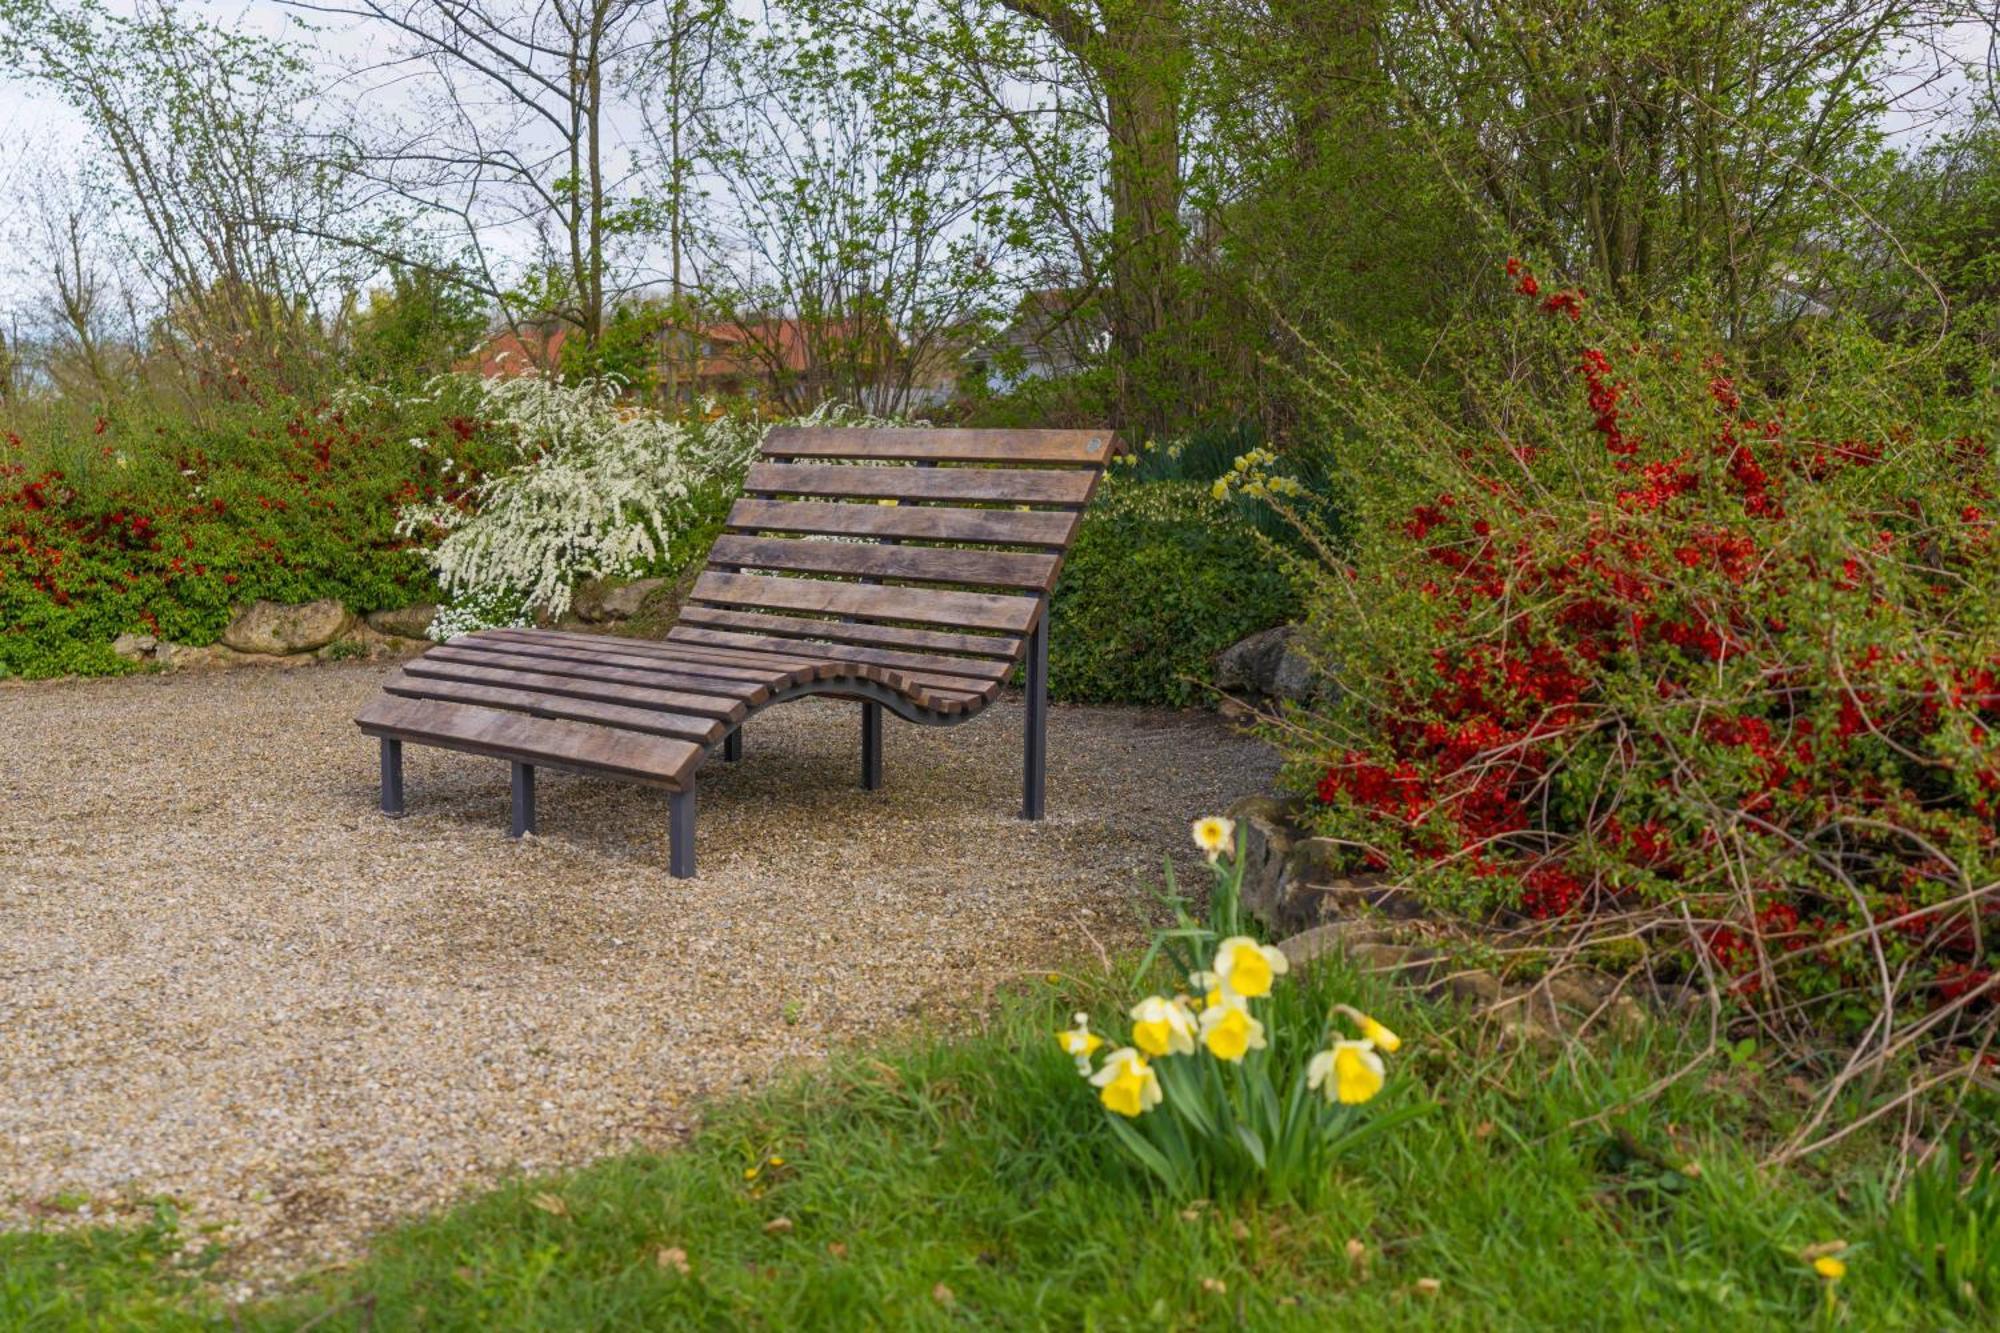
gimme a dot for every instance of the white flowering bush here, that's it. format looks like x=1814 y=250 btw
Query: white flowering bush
x=602 y=489
x=1232 y=1084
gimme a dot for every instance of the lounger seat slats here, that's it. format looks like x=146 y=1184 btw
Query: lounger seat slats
x=955 y=484
x=1006 y=647
x=931 y=564
x=907 y=570
x=974 y=610
x=953 y=445
x=899 y=522
x=631 y=755
x=561 y=704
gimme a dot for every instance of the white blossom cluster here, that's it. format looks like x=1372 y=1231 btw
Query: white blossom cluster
x=602 y=489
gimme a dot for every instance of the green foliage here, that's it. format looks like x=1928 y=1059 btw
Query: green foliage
x=1161 y=579
x=969 y=1163
x=417 y=327
x=155 y=523
x=1947 y=1225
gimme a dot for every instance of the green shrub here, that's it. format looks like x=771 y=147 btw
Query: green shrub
x=1161 y=579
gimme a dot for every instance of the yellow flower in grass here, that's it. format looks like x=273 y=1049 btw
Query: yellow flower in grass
x=1371 y=1030
x=1246 y=967
x=1349 y=1072
x=1128 y=1086
x=1215 y=836
x=1080 y=1043
x=1230 y=1031
x=1830 y=1267
x=1162 y=1027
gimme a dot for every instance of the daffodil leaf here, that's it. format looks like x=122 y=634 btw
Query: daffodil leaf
x=1149 y=1156
x=1253 y=1144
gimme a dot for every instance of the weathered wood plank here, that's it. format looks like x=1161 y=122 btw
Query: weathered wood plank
x=656 y=676
x=714 y=706
x=635 y=756
x=935 y=564
x=995 y=485
x=821 y=518
x=603 y=648
x=973 y=668
x=964 y=610
x=1003 y=647
x=1087 y=447
x=559 y=704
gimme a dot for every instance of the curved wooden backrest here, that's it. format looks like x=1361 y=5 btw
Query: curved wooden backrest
x=919 y=541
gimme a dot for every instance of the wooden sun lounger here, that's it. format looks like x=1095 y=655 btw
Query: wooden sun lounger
x=906 y=569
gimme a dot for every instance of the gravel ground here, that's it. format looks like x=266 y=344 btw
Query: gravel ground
x=225 y=978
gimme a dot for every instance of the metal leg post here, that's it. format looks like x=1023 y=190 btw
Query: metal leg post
x=732 y=746
x=1035 y=745
x=392 y=779
x=523 y=821
x=680 y=833
x=871 y=747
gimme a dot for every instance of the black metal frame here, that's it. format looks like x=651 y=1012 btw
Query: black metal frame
x=873 y=698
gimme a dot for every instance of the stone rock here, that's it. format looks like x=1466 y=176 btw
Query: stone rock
x=216 y=657
x=1268 y=664
x=1264 y=845
x=135 y=647
x=628 y=599
x=408 y=622
x=1402 y=963
x=1309 y=946
x=1477 y=989
x=1275 y=809
x=274 y=630
x=366 y=643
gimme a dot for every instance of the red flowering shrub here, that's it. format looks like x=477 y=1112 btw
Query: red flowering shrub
x=1625 y=636
x=161 y=525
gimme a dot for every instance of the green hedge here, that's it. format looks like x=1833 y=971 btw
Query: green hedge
x=1162 y=578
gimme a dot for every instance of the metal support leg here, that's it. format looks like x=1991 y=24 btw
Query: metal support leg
x=680 y=833
x=524 y=801
x=392 y=779
x=732 y=746
x=871 y=747
x=1035 y=746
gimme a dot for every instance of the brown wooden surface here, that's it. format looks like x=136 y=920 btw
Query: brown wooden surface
x=556 y=703
x=1004 y=646
x=1088 y=447
x=698 y=704
x=633 y=755
x=559 y=664
x=974 y=668
x=1000 y=527
x=968 y=610
x=994 y=485
x=934 y=564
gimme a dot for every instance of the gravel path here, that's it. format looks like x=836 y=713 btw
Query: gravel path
x=224 y=978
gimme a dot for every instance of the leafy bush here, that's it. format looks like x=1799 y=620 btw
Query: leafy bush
x=1162 y=578
x=156 y=522
x=596 y=489
x=1625 y=636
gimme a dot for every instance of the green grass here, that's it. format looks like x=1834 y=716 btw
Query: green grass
x=969 y=1181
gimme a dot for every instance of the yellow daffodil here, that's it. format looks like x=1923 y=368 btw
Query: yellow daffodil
x=1162 y=1027
x=1230 y=1032
x=1215 y=836
x=1246 y=967
x=1830 y=1267
x=1128 y=1086
x=1220 y=490
x=1210 y=986
x=1372 y=1030
x=1350 y=1072
x=1080 y=1043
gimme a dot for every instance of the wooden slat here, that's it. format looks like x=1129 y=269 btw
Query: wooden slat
x=662 y=760
x=657 y=677
x=996 y=485
x=973 y=668
x=935 y=564
x=713 y=706
x=543 y=703
x=968 y=610
x=592 y=648
x=830 y=669
x=993 y=646
x=1003 y=527
x=1089 y=447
